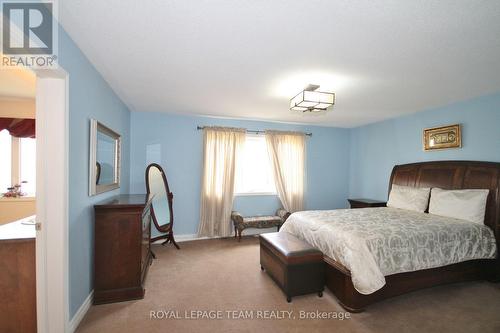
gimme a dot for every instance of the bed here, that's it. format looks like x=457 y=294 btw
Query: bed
x=375 y=253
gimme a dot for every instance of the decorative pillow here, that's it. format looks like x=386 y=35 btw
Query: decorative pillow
x=469 y=205
x=410 y=198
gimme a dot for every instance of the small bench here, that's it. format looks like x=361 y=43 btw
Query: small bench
x=296 y=266
x=241 y=223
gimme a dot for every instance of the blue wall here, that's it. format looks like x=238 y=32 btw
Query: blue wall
x=89 y=97
x=181 y=153
x=376 y=148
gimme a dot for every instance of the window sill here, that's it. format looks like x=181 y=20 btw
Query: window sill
x=255 y=194
x=24 y=199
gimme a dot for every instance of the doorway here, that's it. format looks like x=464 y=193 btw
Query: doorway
x=45 y=164
x=17 y=200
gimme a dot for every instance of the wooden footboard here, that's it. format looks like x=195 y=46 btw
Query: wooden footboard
x=338 y=280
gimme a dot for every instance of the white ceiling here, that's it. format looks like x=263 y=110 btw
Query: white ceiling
x=245 y=59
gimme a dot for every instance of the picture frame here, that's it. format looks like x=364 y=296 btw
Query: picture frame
x=443 y=137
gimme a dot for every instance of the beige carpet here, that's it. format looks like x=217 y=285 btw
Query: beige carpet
x=224 y=275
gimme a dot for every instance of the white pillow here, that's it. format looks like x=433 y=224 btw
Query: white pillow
x=410 y=198
x=469 y=205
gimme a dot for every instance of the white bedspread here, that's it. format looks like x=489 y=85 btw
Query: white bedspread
x=375 y=242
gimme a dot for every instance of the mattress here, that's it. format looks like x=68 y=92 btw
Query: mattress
x=375 y=242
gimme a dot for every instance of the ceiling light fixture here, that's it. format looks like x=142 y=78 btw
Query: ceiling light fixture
x=312 y=100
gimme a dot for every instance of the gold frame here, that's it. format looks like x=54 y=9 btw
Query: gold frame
x=451 y=137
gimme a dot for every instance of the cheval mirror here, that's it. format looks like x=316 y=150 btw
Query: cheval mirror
x=161 y=205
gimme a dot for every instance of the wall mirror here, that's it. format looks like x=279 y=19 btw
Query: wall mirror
x=105 y=158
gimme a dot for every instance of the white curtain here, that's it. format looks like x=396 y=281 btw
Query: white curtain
x=221 y=147
x=287 y=151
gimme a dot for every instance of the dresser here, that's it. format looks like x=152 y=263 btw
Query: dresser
x=122 y=253
x=17 y=277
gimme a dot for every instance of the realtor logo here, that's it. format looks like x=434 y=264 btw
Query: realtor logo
x=29 y=34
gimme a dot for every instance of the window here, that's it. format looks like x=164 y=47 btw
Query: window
x=27 y=164
x=254 y=173
x=5 y=160
x=17 y=163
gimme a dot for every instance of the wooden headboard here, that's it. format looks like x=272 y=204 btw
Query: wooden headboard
x=456 y=175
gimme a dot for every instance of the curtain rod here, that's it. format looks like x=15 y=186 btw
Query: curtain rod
x=250 y=131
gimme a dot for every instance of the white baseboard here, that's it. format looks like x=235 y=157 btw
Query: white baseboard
x=192 y=237
x=82 y=311
x=185 y=238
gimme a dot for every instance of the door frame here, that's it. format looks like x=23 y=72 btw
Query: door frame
x=52 y=265
x=52 y=164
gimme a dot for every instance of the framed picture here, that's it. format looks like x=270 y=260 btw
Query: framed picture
x=442 y=137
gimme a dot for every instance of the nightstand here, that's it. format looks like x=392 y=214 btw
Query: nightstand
x=365 y=203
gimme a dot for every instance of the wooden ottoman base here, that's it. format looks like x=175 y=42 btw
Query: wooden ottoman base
x=293 y=264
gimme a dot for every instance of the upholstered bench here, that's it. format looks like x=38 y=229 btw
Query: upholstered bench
x=296 y=266
x=241 y=223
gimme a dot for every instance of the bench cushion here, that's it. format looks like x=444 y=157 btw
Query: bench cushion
x=289 y=249
x=261 y=221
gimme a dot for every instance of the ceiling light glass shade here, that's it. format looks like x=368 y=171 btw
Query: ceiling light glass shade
x=308 y=100
x=323 y=106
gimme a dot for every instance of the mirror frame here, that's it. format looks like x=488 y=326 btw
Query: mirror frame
x=166 y=227
x=94 y=188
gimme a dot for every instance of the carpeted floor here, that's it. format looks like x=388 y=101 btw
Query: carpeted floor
x=224 y=275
